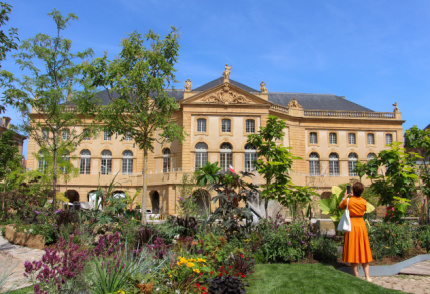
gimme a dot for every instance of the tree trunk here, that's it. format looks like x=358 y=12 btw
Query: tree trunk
x=266 y=204
x=4 y=190
x=54 y=184
x=144 y=188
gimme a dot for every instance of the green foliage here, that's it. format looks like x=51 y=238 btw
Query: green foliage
x=53 y=95
x=324 y=249
x=187 y=204
x=390 y=239
x=130 y=199
x=331 y=206
x=232 y=194
x=274 y=163
x=424 y=237
x=399 y=178
x=284 y=242
x=135 y=82
x=208 y=174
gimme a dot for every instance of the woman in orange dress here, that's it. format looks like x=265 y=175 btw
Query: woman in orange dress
x=356 y=246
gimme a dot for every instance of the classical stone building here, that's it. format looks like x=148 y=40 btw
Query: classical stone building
x=328 y=132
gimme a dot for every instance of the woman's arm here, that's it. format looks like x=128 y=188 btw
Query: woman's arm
x=342 y=205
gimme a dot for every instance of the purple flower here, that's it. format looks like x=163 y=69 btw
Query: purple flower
x=36 y=212
x=303 y=242
x=180 y=198
x=58 y=211
x=289 y=243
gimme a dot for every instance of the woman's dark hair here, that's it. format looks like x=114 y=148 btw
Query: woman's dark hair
x=357 y=189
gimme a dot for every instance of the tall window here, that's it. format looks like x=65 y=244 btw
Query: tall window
x=333 y=164
x=333 y=138
x=43 y=164
x=250 y=157
x=66 y=134
x=314 y=164
x=201 y=125
x=127 y=162
x=351 y=139
x=352 y=162
x=85 y=162
x=107 y=135
x=66 y=158
x=106 y=163
x=371 y=139
x=166 y=160
x=86 y=135
x=250 y=126
x=128 y=137
x=201 y=155
x=226 y=126
x=313 y=138
x=226 y=156
x=45 y=134
x=388 y=139
x=370 y=156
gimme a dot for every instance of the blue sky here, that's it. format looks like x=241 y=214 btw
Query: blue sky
x=372 y=52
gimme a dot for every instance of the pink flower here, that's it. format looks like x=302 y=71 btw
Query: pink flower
x=392 y=208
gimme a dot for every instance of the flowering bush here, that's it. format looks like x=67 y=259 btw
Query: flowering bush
x=397 y=211
x=58 y=265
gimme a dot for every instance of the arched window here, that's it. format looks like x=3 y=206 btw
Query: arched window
x=250 y=126
x=314 y=164
x=66 y=134
x=351 y=139
x=85 y=162
x=370 y=156
x=201 y=157
x=388 y=139
x=106 y=163
x=352 y=162
x=371 y=139
x=250 y=157
x=127 y=162
x=226 y=156
x=226 y=126
x=333 y=138
x=333 y=164
x=166 y=160
x=201 y=125
x=43 y=164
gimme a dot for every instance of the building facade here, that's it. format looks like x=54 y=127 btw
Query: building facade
x=328 y=132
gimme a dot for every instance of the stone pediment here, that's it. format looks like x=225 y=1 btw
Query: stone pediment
x=225 y=94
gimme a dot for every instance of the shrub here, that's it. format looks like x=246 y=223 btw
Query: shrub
x=424 y=237
x=324 y=249
x=226 y=284
x=390 y=239
x=284 y=242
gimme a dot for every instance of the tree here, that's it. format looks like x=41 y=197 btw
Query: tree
x=10 y=159
x=135 y=82
x=274 y=163
x=399 y=177
x=7 y=40
x=54 y=88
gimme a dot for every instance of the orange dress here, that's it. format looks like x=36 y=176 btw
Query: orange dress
x=356 y=246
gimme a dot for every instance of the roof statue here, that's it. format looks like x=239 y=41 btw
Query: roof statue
x=395 y=107
x=294 y=104
x=187 y=86
x=263 y=88
x=226 y=73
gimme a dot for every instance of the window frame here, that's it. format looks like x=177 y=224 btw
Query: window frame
x=229 y=131
x=106 y=163
x=354 y=134
x=368 y=135
x=335 y=136
x=226 y=156
x=314 y=165
x=334 y=165
x=166 y=160
x=250 y=158
x=352 y=163
x=199 y=127
x=388 y=135
x=248 y=128
x=127 y=163
x=84 y=162
x=310 y=138
x=200 y=156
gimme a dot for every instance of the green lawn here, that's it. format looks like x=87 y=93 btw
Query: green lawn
x=307 y=278
x=25 y=290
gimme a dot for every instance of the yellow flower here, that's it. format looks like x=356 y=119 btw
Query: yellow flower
x=191 y=260
x=170 y=276
x=387 y=247
x=196 y=270
x=190 y=264
x=200 y=260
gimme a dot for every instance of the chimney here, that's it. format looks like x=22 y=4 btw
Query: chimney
x=5 y=122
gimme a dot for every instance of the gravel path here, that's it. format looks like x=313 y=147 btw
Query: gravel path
x=406 y=283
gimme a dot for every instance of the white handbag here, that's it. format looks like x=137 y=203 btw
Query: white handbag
x=345 y=221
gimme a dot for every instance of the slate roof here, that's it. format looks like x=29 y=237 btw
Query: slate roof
x=308 y=101
x=220 y=81
x=316 y=101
